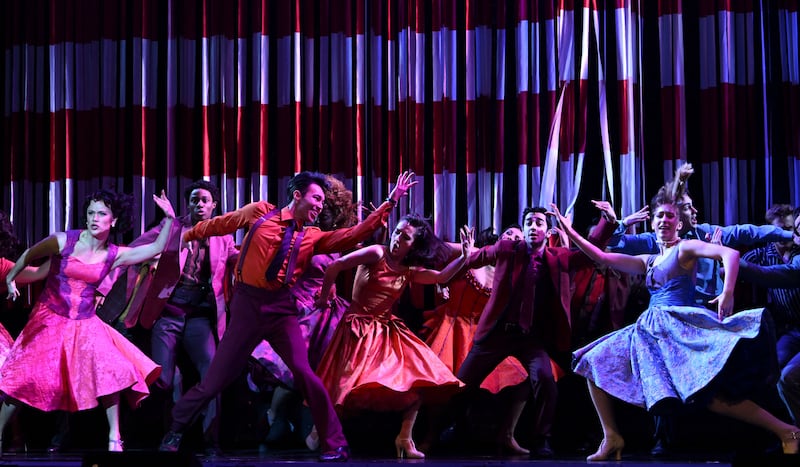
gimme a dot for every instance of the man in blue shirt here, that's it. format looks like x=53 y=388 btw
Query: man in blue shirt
x=777 y=267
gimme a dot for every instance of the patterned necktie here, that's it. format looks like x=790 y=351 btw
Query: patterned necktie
x=280 y=256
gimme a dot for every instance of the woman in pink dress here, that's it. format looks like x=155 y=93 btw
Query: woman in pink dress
x=66 y=358
x=374 y=361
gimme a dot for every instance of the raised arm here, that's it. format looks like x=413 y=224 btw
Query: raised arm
x=621 y=262
x=366 y=255
x=432 y=276
x=129 y=256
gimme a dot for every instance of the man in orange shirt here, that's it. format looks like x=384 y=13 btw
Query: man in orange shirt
x=275 y=252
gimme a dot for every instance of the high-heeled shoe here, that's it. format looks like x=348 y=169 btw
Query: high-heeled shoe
x=115 y=445
x=611 y=446
x=507 y=445
x=405 y=448
x=312 y=440
x=791 y=442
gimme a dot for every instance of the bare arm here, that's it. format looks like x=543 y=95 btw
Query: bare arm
x=47 y=247
x=618 y=261
x=432 y=276
x=691 y=249
x=135 y=255
x=367 y=255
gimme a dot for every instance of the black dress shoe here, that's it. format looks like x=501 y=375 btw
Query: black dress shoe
x=171 y=442
x=339 y=454
x=54 y=449
x=541 y=449
x=661 y=449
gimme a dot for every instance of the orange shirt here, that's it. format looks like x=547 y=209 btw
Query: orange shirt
x=266 y=240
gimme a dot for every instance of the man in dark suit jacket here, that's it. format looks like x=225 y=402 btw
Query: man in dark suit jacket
x=527 y=314
x=183 y=300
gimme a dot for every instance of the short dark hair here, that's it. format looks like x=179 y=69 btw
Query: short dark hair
x=535 y=209
x=486 y=237
x=120 y=204
x=303 y=180
x=202 y=185
x=778 y=211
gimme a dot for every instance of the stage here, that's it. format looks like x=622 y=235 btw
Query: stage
x=302 y=458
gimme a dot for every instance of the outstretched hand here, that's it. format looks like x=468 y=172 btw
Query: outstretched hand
x=165 y=205
x=642 y=215
x=404 y=183
x=716 y=237
x=606 y=210
x=565 y=223
x=467 y=240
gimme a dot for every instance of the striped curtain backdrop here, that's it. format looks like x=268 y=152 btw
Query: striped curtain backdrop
x=496 y=105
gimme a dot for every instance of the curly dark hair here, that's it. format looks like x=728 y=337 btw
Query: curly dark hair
x=778 y=211
x=203 y=185
x=10 y=246
x=428 y=250
x=339 y=205
x=121 y=206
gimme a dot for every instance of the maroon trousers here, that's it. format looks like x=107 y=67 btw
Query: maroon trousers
x=258 y=314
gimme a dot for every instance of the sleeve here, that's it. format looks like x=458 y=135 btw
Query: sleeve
x=483 y=257
x=736 y=236
x=637 y=244
x=5 y=266
x=781 y=276
x=599 y=237
x=338 y=240
x=227 y=223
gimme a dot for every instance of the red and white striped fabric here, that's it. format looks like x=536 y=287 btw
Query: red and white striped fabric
x=489 y=102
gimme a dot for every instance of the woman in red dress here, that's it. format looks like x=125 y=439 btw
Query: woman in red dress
x=374 y=361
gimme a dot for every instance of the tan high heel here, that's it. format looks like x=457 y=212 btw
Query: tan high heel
x=611 y=446
x=115 y=445
x=405 y=448
x=791 y=442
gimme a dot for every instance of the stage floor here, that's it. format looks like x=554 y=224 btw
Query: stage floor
x=301 y=458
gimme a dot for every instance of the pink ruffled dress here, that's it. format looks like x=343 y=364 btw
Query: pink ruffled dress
x=66 y=357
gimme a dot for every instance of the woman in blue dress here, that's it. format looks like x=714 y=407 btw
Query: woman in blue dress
x=675 y=352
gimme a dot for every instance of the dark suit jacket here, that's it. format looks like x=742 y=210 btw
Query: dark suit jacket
x=510 y=259
x=146 y=302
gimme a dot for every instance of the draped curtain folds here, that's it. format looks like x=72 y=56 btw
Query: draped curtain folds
x=496 y=105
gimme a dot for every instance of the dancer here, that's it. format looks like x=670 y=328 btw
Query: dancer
x=316 y=324
x=675 y=352
x=450 y=328
x=262 y=306
x=374 y=361
x=776 y=267
x=526 y=316
x=66 y=358
x=708 y=282
x=184 y=303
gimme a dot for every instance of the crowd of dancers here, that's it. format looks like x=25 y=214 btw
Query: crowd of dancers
x=511 y=307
